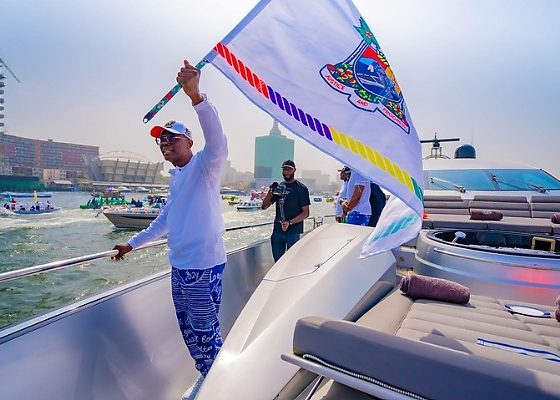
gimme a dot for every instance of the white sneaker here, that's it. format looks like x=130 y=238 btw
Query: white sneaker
x=191 y=393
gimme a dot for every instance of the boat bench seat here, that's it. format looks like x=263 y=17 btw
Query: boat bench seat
x=544 y=206
x=447 y=204
x=519 y=224
x=437 y=221
x=429 y=349
x=509 y=206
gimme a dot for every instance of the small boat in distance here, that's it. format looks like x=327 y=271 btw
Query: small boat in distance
x=30 y=208
x=9 y=195
x=131 y=218
x=249 y=205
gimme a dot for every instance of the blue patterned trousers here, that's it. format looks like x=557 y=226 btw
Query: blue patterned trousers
x=197 y=295
x=356 y=218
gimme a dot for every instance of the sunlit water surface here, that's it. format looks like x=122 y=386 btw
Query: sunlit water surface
x=28 y=240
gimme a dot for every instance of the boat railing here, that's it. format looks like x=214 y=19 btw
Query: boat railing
x=56 y=265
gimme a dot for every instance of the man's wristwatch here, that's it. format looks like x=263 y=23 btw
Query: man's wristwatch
x=289 y=223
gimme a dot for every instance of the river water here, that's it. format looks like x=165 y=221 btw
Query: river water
x=28 y=240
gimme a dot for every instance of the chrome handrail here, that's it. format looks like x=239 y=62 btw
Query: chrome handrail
x=55 y=265
x=37 y=269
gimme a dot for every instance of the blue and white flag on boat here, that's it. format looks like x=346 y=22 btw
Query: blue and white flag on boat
x=317 y=68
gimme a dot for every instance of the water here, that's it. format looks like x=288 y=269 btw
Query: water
x=28 y=240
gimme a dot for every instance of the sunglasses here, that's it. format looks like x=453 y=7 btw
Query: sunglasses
x=168 y=138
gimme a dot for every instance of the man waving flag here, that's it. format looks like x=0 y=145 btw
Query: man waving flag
x=316 y=67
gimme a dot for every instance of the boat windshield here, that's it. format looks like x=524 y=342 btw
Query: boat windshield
x=491 y=180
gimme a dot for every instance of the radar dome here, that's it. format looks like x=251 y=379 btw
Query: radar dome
x=465 y=151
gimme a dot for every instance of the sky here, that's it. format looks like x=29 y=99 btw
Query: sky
x=485 y=71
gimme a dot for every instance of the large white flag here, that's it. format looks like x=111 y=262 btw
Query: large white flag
x=316 y=67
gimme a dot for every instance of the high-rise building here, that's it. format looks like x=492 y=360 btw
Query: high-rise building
x=270 y=151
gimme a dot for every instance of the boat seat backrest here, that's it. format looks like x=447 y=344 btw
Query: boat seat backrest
x=500 y=198
x=446 y=197
x=446 y=205
x=544 y=206
x=509 y=206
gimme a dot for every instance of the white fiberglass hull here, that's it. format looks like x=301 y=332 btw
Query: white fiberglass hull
x=130 y=220
x=321 y=275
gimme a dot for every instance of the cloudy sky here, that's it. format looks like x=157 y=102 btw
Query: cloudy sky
x=486 y=71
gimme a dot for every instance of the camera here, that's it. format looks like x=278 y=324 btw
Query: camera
x=278 y=189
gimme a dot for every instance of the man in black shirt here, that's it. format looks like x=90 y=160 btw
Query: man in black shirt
x=292 y=207
x=377 y=200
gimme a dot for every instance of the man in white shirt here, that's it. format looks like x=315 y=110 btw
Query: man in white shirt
x=342 y=193
x=357 y=208
x=193 y=220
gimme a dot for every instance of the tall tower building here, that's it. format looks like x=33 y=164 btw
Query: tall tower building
x=270 y=151
x=2 y=85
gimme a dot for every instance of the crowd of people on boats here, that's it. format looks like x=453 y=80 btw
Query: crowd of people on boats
x=99 y=201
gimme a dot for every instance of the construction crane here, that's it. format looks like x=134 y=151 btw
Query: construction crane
x=2 y=85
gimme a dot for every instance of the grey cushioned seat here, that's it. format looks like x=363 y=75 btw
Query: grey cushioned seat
x=454 y=205
x=544 y=206
x=430 y=348
x=455 y=221
x=511 y=206
x=443 y=197
x=500 y=198
x=519 y=224
x=504 y=208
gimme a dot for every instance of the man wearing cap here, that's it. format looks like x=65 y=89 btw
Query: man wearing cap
x=192 y=219
x=342 y=193
x=292 y=207
x=357 y=208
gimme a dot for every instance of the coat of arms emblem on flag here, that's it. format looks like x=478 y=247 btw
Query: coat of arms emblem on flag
x=367 y=74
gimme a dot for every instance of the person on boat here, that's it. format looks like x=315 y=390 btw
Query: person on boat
x=194 y=224
x=292 y=207
x=357 y=207
x=377 y=201
x=342 y=193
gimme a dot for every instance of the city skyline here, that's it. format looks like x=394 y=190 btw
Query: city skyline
x=483 y=71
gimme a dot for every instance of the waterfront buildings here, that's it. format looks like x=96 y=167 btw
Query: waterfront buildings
x=28 y=164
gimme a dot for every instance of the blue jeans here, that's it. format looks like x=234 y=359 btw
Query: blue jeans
x=356 y=218
x=282 y=241
x=197 y=295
